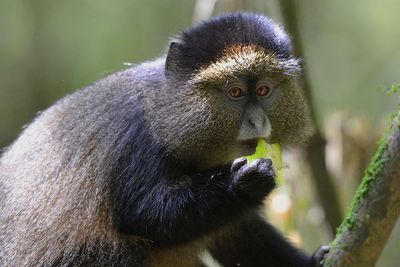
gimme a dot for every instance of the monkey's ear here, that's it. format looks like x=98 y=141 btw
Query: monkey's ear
x=173 y=55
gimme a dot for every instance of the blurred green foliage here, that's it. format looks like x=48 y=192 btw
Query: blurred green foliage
x=51 y=48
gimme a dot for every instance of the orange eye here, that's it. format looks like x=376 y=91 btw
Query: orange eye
x=263 y=90
x=235 y=92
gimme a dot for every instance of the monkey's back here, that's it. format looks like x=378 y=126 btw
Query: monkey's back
x=55 y=179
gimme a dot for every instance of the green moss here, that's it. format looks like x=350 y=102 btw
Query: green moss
x=373 y=172
x=328 y=260
x=395 y=88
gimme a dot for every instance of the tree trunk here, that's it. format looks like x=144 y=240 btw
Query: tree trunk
x=374 y=210
x=316 y=147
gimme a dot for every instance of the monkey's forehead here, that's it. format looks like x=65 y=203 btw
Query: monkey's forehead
x=243 y=60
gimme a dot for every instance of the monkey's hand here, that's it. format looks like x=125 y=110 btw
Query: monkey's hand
x=318 y=257
x=254 y=180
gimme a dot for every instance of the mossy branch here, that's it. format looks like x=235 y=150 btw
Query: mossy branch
x=375 y=208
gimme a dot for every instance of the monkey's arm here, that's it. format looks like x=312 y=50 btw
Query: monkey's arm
x=174 y=211
x=253 y=242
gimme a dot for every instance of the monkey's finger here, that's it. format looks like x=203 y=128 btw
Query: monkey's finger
x=319 y=255
x=238 y=163
x=260 y=164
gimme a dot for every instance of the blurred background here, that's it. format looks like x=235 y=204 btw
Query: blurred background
x=351 y=49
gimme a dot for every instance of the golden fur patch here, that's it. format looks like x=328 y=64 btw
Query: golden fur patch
x=246 y=59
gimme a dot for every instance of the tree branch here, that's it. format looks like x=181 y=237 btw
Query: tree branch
x=203 y=10
x=325 y=188
x=374 y=210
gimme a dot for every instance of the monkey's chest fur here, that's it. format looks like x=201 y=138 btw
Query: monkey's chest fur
x=187 y=255
x=190 y=254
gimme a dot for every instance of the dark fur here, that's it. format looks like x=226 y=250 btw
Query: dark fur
x=256 y=243
x=137 y=168
x=202 y=44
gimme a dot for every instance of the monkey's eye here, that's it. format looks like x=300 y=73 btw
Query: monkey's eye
x=263 y=90
x=235 y=92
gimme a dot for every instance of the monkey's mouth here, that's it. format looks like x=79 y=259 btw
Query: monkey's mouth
x=250 y=142
x=248 y=146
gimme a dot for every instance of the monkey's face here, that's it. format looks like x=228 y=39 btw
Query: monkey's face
x=253 y=98
x=256 y=94
x=221 y=111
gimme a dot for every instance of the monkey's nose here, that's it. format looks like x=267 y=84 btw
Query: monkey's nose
x=255 y=124
x=260 y=124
